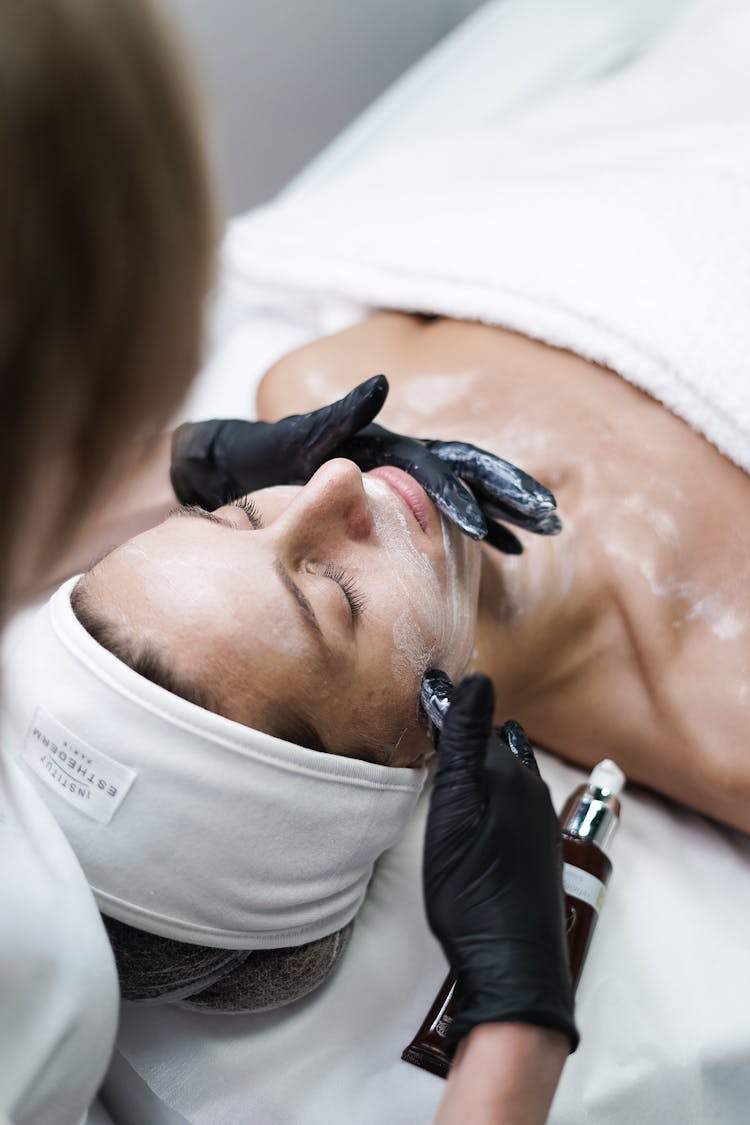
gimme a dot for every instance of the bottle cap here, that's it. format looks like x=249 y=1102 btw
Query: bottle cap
x=592 y=811
x=608 y=777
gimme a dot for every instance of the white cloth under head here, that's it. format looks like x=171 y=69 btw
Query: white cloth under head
x=186 y=824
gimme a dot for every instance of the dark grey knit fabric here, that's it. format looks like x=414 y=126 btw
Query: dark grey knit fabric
x=159 y=970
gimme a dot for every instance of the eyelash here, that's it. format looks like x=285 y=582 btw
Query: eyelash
x=250 y=508
x=352 y=592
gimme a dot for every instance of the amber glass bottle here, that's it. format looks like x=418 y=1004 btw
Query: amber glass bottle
x=588 y=821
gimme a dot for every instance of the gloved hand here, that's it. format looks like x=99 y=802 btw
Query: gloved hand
x=216 y=461
x=500 y=490
x=493 y=873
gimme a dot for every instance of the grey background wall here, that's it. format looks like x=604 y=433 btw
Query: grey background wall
x=283 y=77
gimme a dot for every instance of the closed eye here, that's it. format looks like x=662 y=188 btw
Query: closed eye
x=351 y=590
x=349 y=587
x=250 y=508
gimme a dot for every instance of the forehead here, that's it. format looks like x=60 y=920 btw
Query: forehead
x=208 y=599
x=195 y=583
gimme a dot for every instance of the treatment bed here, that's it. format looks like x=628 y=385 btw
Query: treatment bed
x=663 y=1003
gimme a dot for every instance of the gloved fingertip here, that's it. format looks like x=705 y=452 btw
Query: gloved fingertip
x=374 y=390
x=515 y=738
x=365 y=401
x=468 y=725
x=475 y=693
x=551 y=525
x=499 y=537
x=469 y=520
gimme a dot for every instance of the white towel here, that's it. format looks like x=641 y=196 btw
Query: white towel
x=612 y=219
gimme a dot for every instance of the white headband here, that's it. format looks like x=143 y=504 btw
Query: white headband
x=189 y=825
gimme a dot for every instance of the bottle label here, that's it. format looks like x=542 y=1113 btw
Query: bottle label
x=583 y=885
x=442 y=1021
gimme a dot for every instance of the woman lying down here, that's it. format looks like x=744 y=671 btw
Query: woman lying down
x=223 y=712
x=235 y=683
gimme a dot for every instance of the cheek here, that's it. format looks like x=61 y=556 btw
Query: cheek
x=379 y=700
x=411 y=650
x=390 y=720
x=430 y=622
x=405 y=628
x=407 y=743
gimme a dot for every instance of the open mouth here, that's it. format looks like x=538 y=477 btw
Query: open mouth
x=409 y=491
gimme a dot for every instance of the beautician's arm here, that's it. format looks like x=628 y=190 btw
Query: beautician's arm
x=504 y=1074
x=493 y=893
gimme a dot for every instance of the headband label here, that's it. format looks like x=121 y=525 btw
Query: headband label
x=92 y=782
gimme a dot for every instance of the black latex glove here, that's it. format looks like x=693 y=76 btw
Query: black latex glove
x=216 y=461
x=500 y=490
x=493 y=873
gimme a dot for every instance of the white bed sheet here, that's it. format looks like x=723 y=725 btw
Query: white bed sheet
x=662 y=1005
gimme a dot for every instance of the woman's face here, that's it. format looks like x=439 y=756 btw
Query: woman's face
x=311 y=613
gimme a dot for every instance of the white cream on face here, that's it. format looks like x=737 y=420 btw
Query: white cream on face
x=436 y=625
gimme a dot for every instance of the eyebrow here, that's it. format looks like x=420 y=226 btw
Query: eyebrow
x=306 y=610
x=307 y=613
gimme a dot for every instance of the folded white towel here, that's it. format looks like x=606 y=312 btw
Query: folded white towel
x=612 y=220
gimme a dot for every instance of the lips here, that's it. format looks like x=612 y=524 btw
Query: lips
x=409 y=491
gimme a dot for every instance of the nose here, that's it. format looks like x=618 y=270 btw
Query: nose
x=332 y=506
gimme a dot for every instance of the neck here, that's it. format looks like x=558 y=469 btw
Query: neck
x=535 y=625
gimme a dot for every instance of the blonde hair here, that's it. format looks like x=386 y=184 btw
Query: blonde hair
x=106 y=246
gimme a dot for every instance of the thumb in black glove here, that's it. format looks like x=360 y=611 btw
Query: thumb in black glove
x=493 y=873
